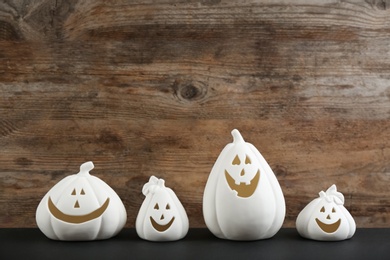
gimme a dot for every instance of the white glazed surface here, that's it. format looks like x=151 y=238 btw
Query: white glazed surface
x=230 y=216
x=95 y=193
x=325 y=218
x=162 y=207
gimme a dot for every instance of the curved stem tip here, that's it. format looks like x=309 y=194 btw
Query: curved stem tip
x=86 y=167
x=237 y=137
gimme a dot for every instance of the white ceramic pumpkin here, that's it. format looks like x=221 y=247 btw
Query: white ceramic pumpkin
x=325 y=218
x=81 y=207
x=242 y=198
x=161 y=217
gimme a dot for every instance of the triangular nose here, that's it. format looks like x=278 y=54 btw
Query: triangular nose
x=328 y=217
x=162 y=217
x=76 y=205
x=242 y=172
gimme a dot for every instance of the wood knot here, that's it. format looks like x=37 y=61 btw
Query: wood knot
x=189 y=91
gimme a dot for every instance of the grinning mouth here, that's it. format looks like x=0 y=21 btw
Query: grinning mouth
x=328 y=228
x=243 y=190
x=161 y=228
x=74 y=219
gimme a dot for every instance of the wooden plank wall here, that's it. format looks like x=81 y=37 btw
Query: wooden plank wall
x=147 y=88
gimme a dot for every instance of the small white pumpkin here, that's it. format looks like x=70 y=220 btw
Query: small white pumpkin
x=161 y=217
x=81 y=207
x=325 y=218
x=242 y=198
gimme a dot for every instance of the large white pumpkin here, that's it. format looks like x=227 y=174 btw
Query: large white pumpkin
x=81 y=207
x=325 y=218
x=161 y=217
x=242 y=199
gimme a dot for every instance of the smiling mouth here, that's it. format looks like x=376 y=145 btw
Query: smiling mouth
x=77 y=219
x=161 y=228
x=243 y=190
x=328 y=228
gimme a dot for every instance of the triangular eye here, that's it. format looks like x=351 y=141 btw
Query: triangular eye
x=247 y=160
x=333 y=210
x=74 y=192
x=236 y=161
x=156 y=206
x=82 y=192
x=322 y=209
x=168 y=207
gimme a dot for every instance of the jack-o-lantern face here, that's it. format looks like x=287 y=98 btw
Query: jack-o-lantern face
x=77 y=203
x=156 y=224
x=246 y=175
x=81 y=207
x=162 y=211
x=77 y=219
x=328 y=215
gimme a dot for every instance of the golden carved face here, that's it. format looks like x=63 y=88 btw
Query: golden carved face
x=78 y=205
x=157 y=224
x=162 y=212
x=328 y=219
x=242 y=175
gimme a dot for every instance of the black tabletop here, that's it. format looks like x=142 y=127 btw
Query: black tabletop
x=198 y=244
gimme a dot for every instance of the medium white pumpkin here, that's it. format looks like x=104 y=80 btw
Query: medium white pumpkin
x=81 y=207
x=325 y=218
x=161 y=217
x=242 y=198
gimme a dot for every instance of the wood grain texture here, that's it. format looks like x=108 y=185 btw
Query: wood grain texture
x=144 y=88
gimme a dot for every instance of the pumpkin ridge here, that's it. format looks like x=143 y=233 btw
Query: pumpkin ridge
x=221 y=233
x=92 y=189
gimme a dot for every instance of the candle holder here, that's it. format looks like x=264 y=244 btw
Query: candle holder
x=325 y=218
x=242 y=198
x=161 y=217
x=81 y=207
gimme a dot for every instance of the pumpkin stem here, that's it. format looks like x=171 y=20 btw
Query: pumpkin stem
x=86 y=167
x=237 y=137
x=161 y=183
x=153 y=185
